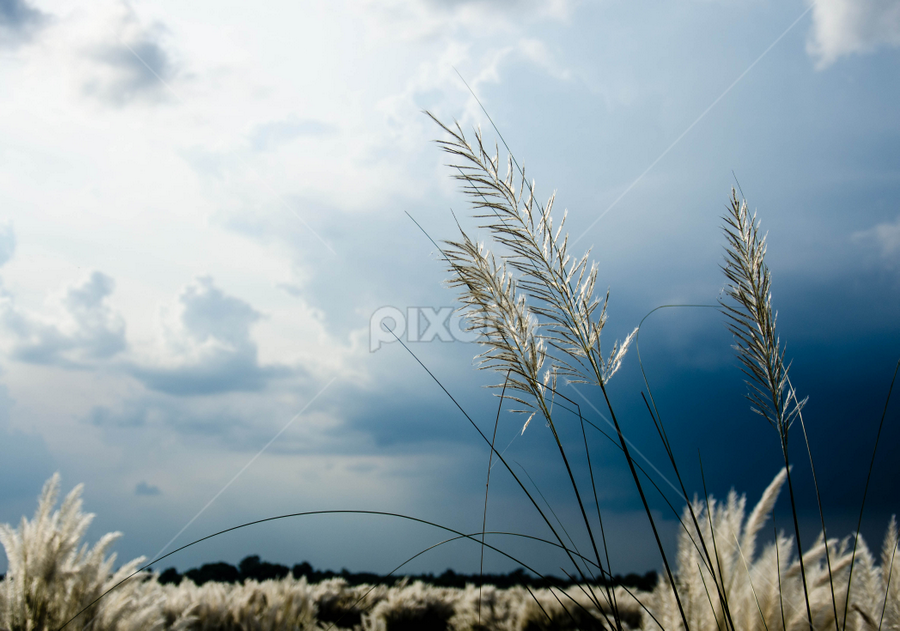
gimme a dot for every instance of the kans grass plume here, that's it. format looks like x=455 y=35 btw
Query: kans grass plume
x=538 y=295
x=751 y=319
x=535 y=306
x=765 y=591
x=51 y=576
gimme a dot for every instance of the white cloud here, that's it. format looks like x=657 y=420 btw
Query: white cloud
x=86 y=328
x=18 y=22
x=269 y=135
x=7 y=243
x=209 y=313
x=843 y=27
x=209 y=348
x=131 y=65
x=435 y=80
x=536 y=51
x=423 y=19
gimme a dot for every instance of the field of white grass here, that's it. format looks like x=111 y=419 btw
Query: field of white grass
x=55 y=581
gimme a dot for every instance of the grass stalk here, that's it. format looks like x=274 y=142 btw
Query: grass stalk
x=751 y=320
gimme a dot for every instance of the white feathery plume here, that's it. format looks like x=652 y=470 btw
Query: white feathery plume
x=559 y=288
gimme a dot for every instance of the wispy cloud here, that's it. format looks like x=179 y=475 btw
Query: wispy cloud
x=886 y=239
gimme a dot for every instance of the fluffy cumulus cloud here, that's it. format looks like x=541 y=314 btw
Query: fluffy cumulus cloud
x=209 y=348
x=206 y=346
x=85 y=330
x=842 y=27
x=18 y=21
x=134 y=65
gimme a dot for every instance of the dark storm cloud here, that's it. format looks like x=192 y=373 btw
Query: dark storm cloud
x=841 y=338
x=229 y=361
x=96 y=331
x=400 y=425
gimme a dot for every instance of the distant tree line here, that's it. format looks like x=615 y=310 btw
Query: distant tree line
x=251 y=568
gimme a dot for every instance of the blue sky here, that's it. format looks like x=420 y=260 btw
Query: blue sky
x=205 y=217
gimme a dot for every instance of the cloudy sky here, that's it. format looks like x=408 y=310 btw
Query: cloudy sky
x=206 y=217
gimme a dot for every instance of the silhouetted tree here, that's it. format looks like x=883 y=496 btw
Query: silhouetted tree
x=302 y=569
x=220 y=572
x=251 y=568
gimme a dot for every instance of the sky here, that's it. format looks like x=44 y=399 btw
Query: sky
x=207 y=214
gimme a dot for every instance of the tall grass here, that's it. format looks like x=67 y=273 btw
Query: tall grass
x=541 y=324
x=51 y=581
x=533 y=304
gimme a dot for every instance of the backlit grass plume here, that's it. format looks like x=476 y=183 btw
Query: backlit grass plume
x=498 y=310
x=50 y=578
x=752 y=320
x=550 y=300
x=766 y=591
x=555 y=288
